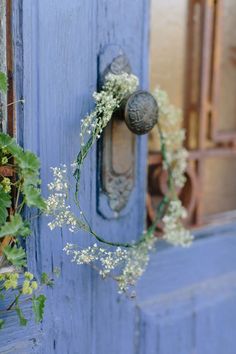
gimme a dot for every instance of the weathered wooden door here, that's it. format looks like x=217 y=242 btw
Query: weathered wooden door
x=186 y=301
x=57 y=50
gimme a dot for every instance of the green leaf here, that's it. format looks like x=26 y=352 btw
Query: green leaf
x=5 y=202
x=22 y=319
x=1 y=323
x=25 y=230
x=38 y=307
x=45 y=280
x=33 y=197
x=28 y=171
x=9 y=143
x=29 y=161
x=3 y=82
x=15 y=255
x=15 y=227
x=12 y=227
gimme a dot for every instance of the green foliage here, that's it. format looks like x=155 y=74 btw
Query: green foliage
x=27 y=165
x=45 y=280
x=15 y=255
x=26 y=185
x=5 y=199
x=22 y=319
x=38 y=307
x=25 y=291
x=1 y=323
x=14 y=227
x=33 y=196
x=3 y=82
x=9 y=145
x=24 y=230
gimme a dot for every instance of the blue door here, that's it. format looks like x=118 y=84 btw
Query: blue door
x=186 y=301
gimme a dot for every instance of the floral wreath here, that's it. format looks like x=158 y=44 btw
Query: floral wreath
x=123 y=262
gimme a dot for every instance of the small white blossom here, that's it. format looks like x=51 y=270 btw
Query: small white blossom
x=126 y=266
x=135 y=265
x=170 y=120
x=116 y=87
x=174 y=231
x=57 y=206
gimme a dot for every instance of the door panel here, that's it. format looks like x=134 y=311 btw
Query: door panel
x=187 y=301
x=62 y=41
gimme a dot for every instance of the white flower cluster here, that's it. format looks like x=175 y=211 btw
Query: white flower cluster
x=174 y=231
x=136 y=263
x=170 y=120
x=116 y=87
x=124 y=265
x=106 y=260
x=57 y=206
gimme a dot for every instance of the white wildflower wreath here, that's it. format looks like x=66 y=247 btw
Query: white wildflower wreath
x=123 y=262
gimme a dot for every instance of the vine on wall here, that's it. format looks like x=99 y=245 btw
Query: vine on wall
x=19 y=188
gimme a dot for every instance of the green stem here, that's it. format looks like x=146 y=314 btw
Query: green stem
x=14 y=302
x=160 y=209
x=17 y=196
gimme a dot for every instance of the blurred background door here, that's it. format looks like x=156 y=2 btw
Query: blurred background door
x=192 y=57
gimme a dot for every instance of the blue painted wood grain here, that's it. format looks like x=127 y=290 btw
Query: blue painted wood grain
x=186 y=300
x=61 y=42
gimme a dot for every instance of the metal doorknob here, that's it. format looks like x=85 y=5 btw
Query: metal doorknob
x=140 y=112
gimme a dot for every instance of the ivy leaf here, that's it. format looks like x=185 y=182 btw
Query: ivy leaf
x=3 y=82
x=1 y=323
x=38 y=307
x=5 y=202
x=15 y=255
x=12 y=227
x=22 y=319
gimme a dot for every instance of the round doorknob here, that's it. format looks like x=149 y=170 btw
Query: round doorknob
x=140 y=112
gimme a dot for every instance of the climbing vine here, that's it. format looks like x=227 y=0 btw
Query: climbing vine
x=19 y=188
